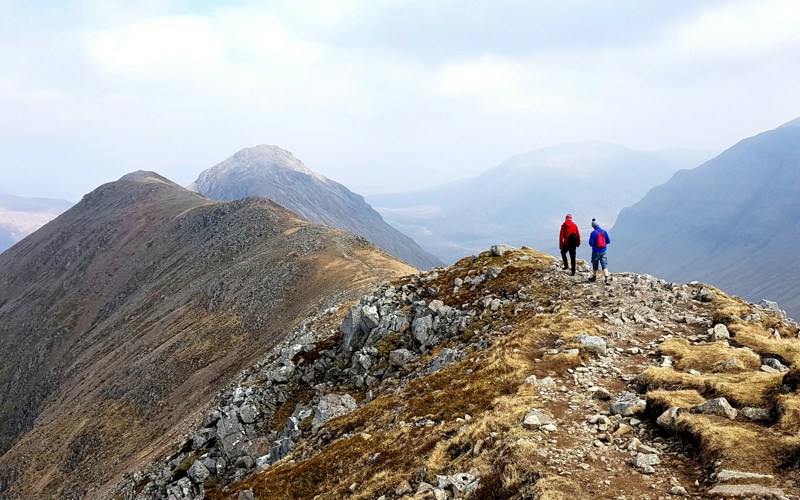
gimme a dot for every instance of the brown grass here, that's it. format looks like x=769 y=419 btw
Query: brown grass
x=662 y=400
x=760 y=340
x=705 y=356
x=740 y=389
x=789 y=405
x=738 y=445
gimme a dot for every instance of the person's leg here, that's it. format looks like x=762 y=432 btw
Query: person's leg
x=572 y=249
x=564 y=257
x=604 y=264
x=595 y=263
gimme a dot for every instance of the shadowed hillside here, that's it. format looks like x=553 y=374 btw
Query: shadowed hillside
x=733 y=222
x=123 y=316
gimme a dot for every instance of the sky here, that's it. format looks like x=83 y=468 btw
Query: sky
x=380 y=95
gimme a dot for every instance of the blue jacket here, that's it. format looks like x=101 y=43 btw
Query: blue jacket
x=593 y=239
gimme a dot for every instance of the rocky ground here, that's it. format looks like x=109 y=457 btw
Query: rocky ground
x=503 y=376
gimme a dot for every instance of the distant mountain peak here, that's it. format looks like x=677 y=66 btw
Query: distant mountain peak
x=269 y=156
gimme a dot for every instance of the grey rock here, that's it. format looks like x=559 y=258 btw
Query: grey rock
x=718 y=406
x=628 y=404
x=776 y=364
x=248 y=413
x=198 y=472
x=536 y=419
x=369 y=318
x=678 y=491
x=642 y=459
x=668 y=419
x=500 y=250
x=726 y=475
x=400 y=357
x=703 y=294
x=464 y=483
x=246 y=495
x=282 y=374
x=446 y=357
x=745 y=491
x=719 y=332
x=755 y=414
x=403 y=488
x=422 y=330
x=592 y=343
x=332 y=405
x=351 y=327
x=182 y=489
x=773 y=307
x=493 y=272
x=231 y=436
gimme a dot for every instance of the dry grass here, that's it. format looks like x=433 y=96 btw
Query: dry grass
x=740 y=389
x=704 y=357
x=738 y=445
x=789 y=405
x=761 y=340
x=662 y=400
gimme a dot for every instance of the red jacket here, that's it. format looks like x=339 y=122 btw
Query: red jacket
x=567 y=228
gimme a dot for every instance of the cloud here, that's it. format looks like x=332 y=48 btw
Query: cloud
x=741 y=28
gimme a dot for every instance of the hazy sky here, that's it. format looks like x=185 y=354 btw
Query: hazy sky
x=379 y=95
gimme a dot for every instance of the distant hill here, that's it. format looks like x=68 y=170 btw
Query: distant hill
x=274 y=173
x=523 y=201
x=20 y=216
x=121 y=318
x=733 y=222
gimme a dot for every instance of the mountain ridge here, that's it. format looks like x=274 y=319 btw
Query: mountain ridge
x=121 y=317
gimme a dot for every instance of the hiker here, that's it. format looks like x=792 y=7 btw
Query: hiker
x=568 y=240
x=599 y=241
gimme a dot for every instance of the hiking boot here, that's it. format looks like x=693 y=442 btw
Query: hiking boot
x=573 y=272
x=564 y=268
x=592 y=279
x=607 y=280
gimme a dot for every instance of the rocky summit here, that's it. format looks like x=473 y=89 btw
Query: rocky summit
x=503 y=376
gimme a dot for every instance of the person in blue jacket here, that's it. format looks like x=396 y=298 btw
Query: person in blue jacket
x=599 y=241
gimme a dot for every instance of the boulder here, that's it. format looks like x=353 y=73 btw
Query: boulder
x=332 y=405
x=422 y=330
x=536 y=419
x=668 y=419
x=400 y=357
x=592 y=343
x=718 y=406
x=719 y=332
x=628 y=404
x=500 y=250
x=446 y=357
x=198 y=472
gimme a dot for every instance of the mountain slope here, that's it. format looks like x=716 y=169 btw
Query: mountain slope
x=524 y=200
x=121 y=317
x=20 y=216
x=503 y=377
x=732 y=222
x=274 y=173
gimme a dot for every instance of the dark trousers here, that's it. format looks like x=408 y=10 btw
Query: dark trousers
x=571 y=249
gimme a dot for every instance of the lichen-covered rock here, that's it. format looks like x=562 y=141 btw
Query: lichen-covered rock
x=628 y=404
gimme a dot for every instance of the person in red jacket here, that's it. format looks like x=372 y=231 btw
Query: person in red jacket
x=568 y=241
